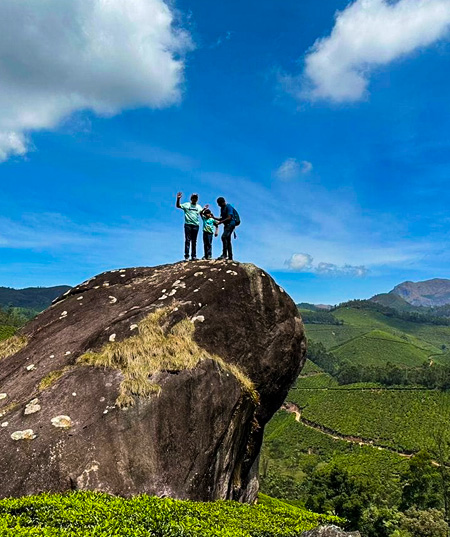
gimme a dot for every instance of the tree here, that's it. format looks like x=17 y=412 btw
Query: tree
x=334 y=490
x=427 y=523
x=421 y=484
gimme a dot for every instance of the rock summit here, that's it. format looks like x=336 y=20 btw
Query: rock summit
x=149 y=380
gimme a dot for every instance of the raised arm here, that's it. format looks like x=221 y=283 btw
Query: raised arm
x=178 y=204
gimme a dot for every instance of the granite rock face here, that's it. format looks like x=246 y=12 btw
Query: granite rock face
x=149 y=380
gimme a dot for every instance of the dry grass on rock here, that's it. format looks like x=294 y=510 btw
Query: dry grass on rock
x=155 y=349
x=10 y=346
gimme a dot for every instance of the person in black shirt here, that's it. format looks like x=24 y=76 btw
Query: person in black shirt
x=227 y=219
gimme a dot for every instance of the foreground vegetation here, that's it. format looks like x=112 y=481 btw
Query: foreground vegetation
x=99 y=515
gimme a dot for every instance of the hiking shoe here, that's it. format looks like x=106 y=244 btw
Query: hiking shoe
x=186 y=259
x=194 y=259
x=221 y=258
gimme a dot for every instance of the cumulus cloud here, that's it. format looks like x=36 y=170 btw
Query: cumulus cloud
x=305 y=263
x=59 y=57
x=292 y=169
x=300 y=262
x=368 y=34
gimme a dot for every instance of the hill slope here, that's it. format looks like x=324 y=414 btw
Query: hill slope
x=339 y=431
x=35 y=298
x=435 y=292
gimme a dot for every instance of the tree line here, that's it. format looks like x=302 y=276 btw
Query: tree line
x=430 y=375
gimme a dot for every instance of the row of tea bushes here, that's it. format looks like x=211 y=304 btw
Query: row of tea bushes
x=93 y=514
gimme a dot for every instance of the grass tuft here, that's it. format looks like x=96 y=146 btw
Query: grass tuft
x=51 y=378
x=155 y=349
x=10 y=346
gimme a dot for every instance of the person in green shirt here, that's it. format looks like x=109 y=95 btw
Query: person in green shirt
x=210 y=228
x=192 y=212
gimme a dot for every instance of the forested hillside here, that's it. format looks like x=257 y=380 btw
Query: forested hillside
x=34 y=298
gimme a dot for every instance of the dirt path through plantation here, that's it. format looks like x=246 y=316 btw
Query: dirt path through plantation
x=292 y=408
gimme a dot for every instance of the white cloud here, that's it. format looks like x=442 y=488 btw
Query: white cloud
x=300 y=262
x=292 y=169
x=305 y=263
x=59 y=57
x=367 y=34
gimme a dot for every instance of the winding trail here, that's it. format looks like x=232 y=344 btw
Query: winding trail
x=292 y=408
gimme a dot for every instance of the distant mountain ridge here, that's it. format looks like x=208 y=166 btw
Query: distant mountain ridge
x=428 y=293
x=36 y=298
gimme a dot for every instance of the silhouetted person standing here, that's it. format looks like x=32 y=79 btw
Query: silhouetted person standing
x=192 y=212
x=229 y=218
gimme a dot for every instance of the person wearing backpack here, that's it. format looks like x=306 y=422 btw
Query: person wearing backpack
x=229 y=217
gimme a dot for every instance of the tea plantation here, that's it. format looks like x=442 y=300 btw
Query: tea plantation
x=405 y=420
x=83 y=514
x=364 y=448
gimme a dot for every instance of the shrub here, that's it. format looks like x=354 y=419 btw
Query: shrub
x=100 y=515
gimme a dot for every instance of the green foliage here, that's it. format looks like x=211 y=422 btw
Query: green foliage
x=310 y=368
x=427 y=336
x=99 y=515
x=293 y=451
x=413 y=315
x=16 y=317
x=34 y=298
x=333 y=489
x=317 y=354
x=429 y=523
x=349 y=455
x=378 y=347
x=391 y=300
x=312 y=382
x=399 y=419
x=331 y=336
x=319 y=317
x=422 y=484
x=6 y=332
x=308 y=306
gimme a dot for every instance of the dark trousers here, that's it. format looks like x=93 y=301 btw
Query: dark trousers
x=207 y=243
x=190 y=234
x=226 y=241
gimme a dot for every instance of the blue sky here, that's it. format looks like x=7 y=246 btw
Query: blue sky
x=335 y=152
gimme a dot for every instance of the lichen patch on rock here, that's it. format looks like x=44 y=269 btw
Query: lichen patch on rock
x=63 y=422
x=32 y=407
x=27 y=434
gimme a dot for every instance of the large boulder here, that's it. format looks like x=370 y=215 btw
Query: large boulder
x=149 y=380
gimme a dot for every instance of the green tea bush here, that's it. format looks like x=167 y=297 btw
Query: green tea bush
x=81 y=514
x=6 y=331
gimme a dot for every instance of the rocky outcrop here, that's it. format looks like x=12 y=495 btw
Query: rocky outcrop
x=149 y=380
x=329 y=531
